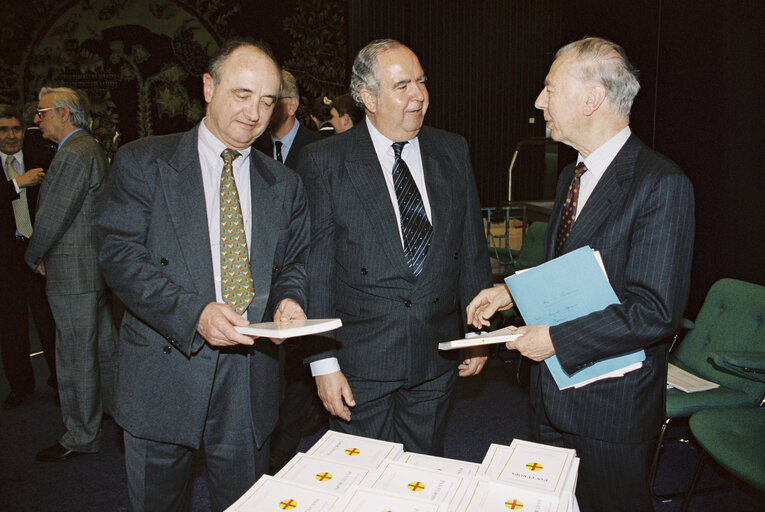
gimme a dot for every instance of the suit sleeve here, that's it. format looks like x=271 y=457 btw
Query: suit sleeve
x=123 y=225
x=653 y=281
x=321 y=261
x=475 y=274
x=64 y=190
x=291 y=281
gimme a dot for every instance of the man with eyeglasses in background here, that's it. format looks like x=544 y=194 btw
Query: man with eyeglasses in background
x=64 y=248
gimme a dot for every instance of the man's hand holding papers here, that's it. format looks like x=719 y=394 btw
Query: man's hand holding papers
x=534 y=342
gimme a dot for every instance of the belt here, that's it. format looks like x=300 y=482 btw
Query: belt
x=21 y=238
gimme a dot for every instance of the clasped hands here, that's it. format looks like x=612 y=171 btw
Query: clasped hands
x=534 y=341
x=217 y=323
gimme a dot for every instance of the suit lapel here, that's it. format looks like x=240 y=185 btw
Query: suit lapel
x=608 y=194
x=437 y=170
x=266 y=193
x=181 y=182
x=366 y=175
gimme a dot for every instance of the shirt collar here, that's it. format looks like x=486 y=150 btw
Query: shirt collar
x=64 y=139
x=290 y=137
x=383 y=144
x=598 y=161
x=213 y=144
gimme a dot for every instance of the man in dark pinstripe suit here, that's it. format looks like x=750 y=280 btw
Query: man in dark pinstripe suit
x=635 y=207
x=391 y=382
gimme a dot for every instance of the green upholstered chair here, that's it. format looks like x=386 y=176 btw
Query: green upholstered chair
x=732 y=318
x=733 y=437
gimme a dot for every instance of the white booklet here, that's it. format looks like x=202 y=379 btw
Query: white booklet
x=494 y=460
x=537 y=466
x=489 y=496
x=356 y=450
x=473 y=340
x=458 y=467
x=418 y=482
x=324 y=474
x=686 y=381
x=364 y=499
x=270 y=493
x=291 y=328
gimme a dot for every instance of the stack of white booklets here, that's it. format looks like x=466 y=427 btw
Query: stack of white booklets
x=345 y=473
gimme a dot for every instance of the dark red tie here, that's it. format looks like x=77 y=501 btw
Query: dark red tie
x=569 y=207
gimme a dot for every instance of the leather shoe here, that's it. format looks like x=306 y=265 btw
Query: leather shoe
x=15 y=398
x=55 y=453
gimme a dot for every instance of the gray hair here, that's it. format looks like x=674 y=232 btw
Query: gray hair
x=364 y=72
x=606 y=62
x=289 y=85
x=77 y=101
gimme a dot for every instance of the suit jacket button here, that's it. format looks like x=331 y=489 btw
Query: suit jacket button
x=167 y=349
x=435 y=301
x=164 y=261
x=456 y=255
x=364 y=271
x=275 y=269
x=408 y=303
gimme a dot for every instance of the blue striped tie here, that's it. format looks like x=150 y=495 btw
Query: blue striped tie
x=415 y=226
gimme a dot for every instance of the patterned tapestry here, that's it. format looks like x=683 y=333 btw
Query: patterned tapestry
x=140 y=61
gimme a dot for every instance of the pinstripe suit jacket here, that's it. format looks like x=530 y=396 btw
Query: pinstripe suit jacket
x=640 y=216
x=64 y=234
x=155 y=255
x=392 y=321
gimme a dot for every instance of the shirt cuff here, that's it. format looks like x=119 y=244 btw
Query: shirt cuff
x=325 y=366
x=16 y=186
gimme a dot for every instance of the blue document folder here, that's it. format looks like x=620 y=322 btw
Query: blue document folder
x=562 y=289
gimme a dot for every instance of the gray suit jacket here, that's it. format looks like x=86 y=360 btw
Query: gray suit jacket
x=155 y=254
x=392 y=321
x=640 y=217
x=64 y=236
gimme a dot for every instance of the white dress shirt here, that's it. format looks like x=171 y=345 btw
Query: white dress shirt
x=597 y=162
x=211 y=161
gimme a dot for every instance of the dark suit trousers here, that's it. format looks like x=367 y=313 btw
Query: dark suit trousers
x=391 y=411
x=298 y=407
x=159 y=473
x=21 y=291
x=613 y=477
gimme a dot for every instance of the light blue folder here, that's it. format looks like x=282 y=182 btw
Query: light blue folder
x=562 y=289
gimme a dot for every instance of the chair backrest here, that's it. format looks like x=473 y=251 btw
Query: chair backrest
x=731 y=319
x=532 y=251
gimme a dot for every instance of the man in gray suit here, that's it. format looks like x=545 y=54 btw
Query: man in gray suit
x=397 y=251
x=64 y=248
x=636 y=208
x=201 y=235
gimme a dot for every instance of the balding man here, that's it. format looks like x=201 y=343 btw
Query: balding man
x=636 y=208
x=201 y=235
x=397 y=250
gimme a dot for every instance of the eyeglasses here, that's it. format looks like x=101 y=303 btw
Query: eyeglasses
x=41 y=111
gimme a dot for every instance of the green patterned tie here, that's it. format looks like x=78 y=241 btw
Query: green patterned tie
x=236 y=278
